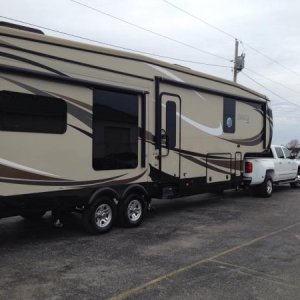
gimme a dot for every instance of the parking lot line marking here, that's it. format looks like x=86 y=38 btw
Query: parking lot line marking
x=166 y=276
x=254 y=273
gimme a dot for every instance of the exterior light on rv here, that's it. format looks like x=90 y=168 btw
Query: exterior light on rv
x=229 y=122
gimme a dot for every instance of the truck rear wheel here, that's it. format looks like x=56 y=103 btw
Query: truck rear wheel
x=294 y=184
x=266 y=188
x=132 y=210
x=99 y=216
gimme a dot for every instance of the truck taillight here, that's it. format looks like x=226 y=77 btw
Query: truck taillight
x=248 y=167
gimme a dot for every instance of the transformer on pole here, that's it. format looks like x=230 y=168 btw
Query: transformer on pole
x=239 y=61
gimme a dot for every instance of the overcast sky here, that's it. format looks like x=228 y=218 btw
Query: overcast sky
x=271 y=27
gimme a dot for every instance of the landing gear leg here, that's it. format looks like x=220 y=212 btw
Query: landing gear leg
x=56 y=218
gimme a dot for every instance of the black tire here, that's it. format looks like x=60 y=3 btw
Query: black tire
x=265 y=189
x=33 y=216
x=294 y=184
x=131 y=211
x=99 y=216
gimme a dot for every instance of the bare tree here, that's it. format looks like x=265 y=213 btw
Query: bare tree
x=293 y=145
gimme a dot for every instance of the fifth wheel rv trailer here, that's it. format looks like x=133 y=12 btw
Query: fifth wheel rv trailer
x=104 y=131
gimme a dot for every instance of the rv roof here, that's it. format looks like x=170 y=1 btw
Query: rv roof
x=35 y=35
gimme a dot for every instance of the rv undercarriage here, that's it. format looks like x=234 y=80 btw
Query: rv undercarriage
x=101 y=208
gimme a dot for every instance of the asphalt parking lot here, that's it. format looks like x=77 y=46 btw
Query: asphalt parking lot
x=233 y=246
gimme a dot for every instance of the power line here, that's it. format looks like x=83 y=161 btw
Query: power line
x=115 y=46
x=277 y=95
x=271 y=59
x=231 y=36
x=274 y=81
x=199 y=19
x=151 y=31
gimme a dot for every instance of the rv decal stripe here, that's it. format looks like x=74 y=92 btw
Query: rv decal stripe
x=80 y=114
x=79 y=103
x=6 y=43
x=14 y=170
x=90 y=135
x=250 y=139
x=223 y=162
x=117 y=182
x=203 y=164
x=29 y=88
x=77 y=184
x=248 y=142
x=39 y=54
x=31 y=62
x=187 y=152
x=230 y=164
x=56 y=183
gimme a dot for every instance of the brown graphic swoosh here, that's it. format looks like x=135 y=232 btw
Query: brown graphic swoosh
x=204 y=164
x=52 y=182
x=10 y=172
x=31 y=62
x=118 y=182
x=255 y=140
x=79 y=103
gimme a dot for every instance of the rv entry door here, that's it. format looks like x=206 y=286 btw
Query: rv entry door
x=170 y=135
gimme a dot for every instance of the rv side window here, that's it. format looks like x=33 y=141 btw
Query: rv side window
x=229 y=115
x=115 y=130
x=171 y=123
x=32 y=113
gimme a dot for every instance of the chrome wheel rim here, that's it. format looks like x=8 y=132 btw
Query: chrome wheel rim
x=103 y=215
x=134 y=210
x=269 y=187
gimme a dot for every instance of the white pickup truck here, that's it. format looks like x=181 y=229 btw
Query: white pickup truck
x=277 y=166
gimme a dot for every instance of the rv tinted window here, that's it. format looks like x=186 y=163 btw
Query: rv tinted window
x=171 y=123
x=115 y=130
x=32 y=113
x=229 y=115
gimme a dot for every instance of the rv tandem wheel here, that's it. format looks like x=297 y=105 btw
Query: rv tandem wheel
x=99 y=216
x=132 y=210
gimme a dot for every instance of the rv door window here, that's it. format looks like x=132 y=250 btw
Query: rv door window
x=115 y=130
x=171 y=124
x=32 y=113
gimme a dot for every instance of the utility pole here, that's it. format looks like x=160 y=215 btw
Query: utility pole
x=236 y=53
x=239 y=61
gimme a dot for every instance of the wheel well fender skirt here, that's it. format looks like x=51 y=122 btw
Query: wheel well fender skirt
x=136 y=188
x=270 y=173
x=105 y=191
